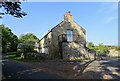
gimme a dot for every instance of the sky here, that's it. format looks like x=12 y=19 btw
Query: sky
x=99 y=19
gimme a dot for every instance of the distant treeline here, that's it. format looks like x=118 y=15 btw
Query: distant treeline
x=101 y=48
x=10 y=41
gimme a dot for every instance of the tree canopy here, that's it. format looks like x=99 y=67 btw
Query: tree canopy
x=28 y=38
x=28 y=42
x=9 y=40
x=91 y=45
x=100 y=49
x=12 y=8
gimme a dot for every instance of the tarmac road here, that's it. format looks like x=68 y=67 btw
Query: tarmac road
x=98 y=69
x=103 y=69
x=15 y=70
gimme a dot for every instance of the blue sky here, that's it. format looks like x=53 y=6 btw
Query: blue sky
x=99 y=19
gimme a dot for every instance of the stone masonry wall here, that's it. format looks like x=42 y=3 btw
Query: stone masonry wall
x=73 y=51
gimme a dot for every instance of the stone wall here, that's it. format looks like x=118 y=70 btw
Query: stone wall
x=114 y=53
x=69 y=49
x=78 y=35
x=74 y=51
x=45 y=43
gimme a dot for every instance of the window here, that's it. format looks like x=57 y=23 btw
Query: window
x=40 y=50
x=69 y=35
x=36 y=45
x=46 y=50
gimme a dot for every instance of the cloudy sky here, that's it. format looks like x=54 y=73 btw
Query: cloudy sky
x=99 y=19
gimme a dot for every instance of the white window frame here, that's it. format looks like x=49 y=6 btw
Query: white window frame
x=69 y=35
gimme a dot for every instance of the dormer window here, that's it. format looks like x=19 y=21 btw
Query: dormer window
x=69 y=35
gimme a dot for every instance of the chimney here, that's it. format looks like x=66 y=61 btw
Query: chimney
x=68 y=17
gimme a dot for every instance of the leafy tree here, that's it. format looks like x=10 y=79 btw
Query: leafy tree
x=27 y=48
x=9 y=40
x=102 y=49
x=91 y=45
x=28 y=40
x=12 y=8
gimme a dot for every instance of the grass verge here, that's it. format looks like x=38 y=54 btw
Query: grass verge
x=14 y=57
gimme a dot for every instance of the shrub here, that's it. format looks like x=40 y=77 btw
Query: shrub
x=18 y=54
x=41 y=56
x=118 y=48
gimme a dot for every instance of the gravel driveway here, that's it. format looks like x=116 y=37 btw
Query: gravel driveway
x=102 y=69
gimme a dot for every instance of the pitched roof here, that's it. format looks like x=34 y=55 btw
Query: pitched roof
x=50 y=31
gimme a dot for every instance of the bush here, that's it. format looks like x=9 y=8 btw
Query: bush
x=118 y=48
x=25 y=48
x=50 y=57
x=41 y=56
x=18 y=54
x=34 y=51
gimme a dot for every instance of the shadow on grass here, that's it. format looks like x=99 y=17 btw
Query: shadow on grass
x=29 y=59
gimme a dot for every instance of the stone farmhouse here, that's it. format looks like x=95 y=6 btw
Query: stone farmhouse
x=67 y=40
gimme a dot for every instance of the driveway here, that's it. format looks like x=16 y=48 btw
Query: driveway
x=97 y=69
x=15 y=70
x=102 y=69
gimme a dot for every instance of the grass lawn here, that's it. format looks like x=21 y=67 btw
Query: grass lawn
x=14 y=57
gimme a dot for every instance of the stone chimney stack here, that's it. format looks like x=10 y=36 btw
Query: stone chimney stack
x=68 y=17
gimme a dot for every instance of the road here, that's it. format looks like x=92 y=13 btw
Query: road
x=98 y=69
x=102 y=69
x=15 y=70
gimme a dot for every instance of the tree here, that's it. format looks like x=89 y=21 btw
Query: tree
x=9 y=40
x=12 y=8
x=91 y=45
x=28 y=42
x=102 y=49
x=28 y=38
